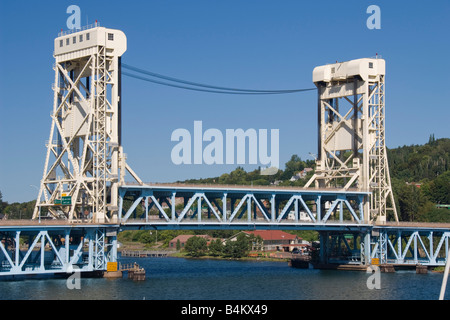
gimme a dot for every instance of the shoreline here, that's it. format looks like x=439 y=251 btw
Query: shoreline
x=232 y=259
x=177 y=254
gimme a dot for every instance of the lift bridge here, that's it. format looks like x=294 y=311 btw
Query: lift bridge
x=86 y=200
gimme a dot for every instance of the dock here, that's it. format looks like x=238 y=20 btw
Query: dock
x=135 y=272
x=144 y=254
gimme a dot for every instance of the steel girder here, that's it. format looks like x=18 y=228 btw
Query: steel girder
x=26 y=250
x=172 y=206
x=410 y=246
x=343 y=247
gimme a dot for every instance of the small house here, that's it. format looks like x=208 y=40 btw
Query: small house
x=276 y=240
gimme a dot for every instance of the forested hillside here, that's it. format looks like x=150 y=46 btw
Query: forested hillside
x=421 y=180
x=419 y=162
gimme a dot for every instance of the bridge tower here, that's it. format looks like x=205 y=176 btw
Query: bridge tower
x=85 y=161
x=351 y=132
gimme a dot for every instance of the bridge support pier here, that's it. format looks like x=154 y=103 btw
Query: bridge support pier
x=344 y=248
x=113 y=274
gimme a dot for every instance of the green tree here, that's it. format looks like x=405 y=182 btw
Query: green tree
x=2 y=204
x=17 y=210
x=411 y=202
x=436 y=215
x=432 y=139
x=295 y=164
x=438 y=190
x=146 y=237
x=196 y=246
x=239 y=248
x=216 y=248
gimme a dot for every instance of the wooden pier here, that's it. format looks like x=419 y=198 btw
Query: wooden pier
x=135 y=272
x=144 y=254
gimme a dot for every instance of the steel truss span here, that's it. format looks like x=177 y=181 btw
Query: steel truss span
x=410 y=245
x=209 y=207
x=43 y=249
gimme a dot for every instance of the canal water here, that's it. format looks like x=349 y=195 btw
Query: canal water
x=191 y=279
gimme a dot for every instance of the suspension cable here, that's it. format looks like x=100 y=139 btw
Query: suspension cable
x=223 y=90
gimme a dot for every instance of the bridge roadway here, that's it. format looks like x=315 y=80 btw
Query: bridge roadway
x=54 y=223
x=62 y=246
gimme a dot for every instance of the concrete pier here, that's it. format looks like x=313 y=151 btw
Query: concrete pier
x=112 y=274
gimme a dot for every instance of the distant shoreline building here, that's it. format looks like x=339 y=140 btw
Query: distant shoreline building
x=301 y=175
x=277 y=240
x=183 y=238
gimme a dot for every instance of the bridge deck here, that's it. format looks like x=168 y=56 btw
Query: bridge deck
x=413 y=225
x=156 y=221
x=237 y=187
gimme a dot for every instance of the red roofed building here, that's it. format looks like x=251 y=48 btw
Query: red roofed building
x=276 y=240
x=183 y=238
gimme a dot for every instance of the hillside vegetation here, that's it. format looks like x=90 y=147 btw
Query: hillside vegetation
x=421 y=180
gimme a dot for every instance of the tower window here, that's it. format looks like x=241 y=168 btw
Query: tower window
x=74 y=40
x=67 y=41
x=61 y=42
x=371 y=65
x=81 y=38
x=88 y=36
x=111 y=36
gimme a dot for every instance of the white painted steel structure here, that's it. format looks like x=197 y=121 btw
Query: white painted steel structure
x=85 y=159
x=351 y=126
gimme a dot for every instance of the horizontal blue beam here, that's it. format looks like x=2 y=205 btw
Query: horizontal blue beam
x=136 y=225
x=237 y=204
x=55 y=247
x=238 y=189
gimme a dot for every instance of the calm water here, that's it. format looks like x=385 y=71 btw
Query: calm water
x=187 y=279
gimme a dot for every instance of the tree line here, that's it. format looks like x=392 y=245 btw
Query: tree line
x=420 y=177
x=238 y=248
x=16 y=210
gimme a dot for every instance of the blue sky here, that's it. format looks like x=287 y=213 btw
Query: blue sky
x=235 y=43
